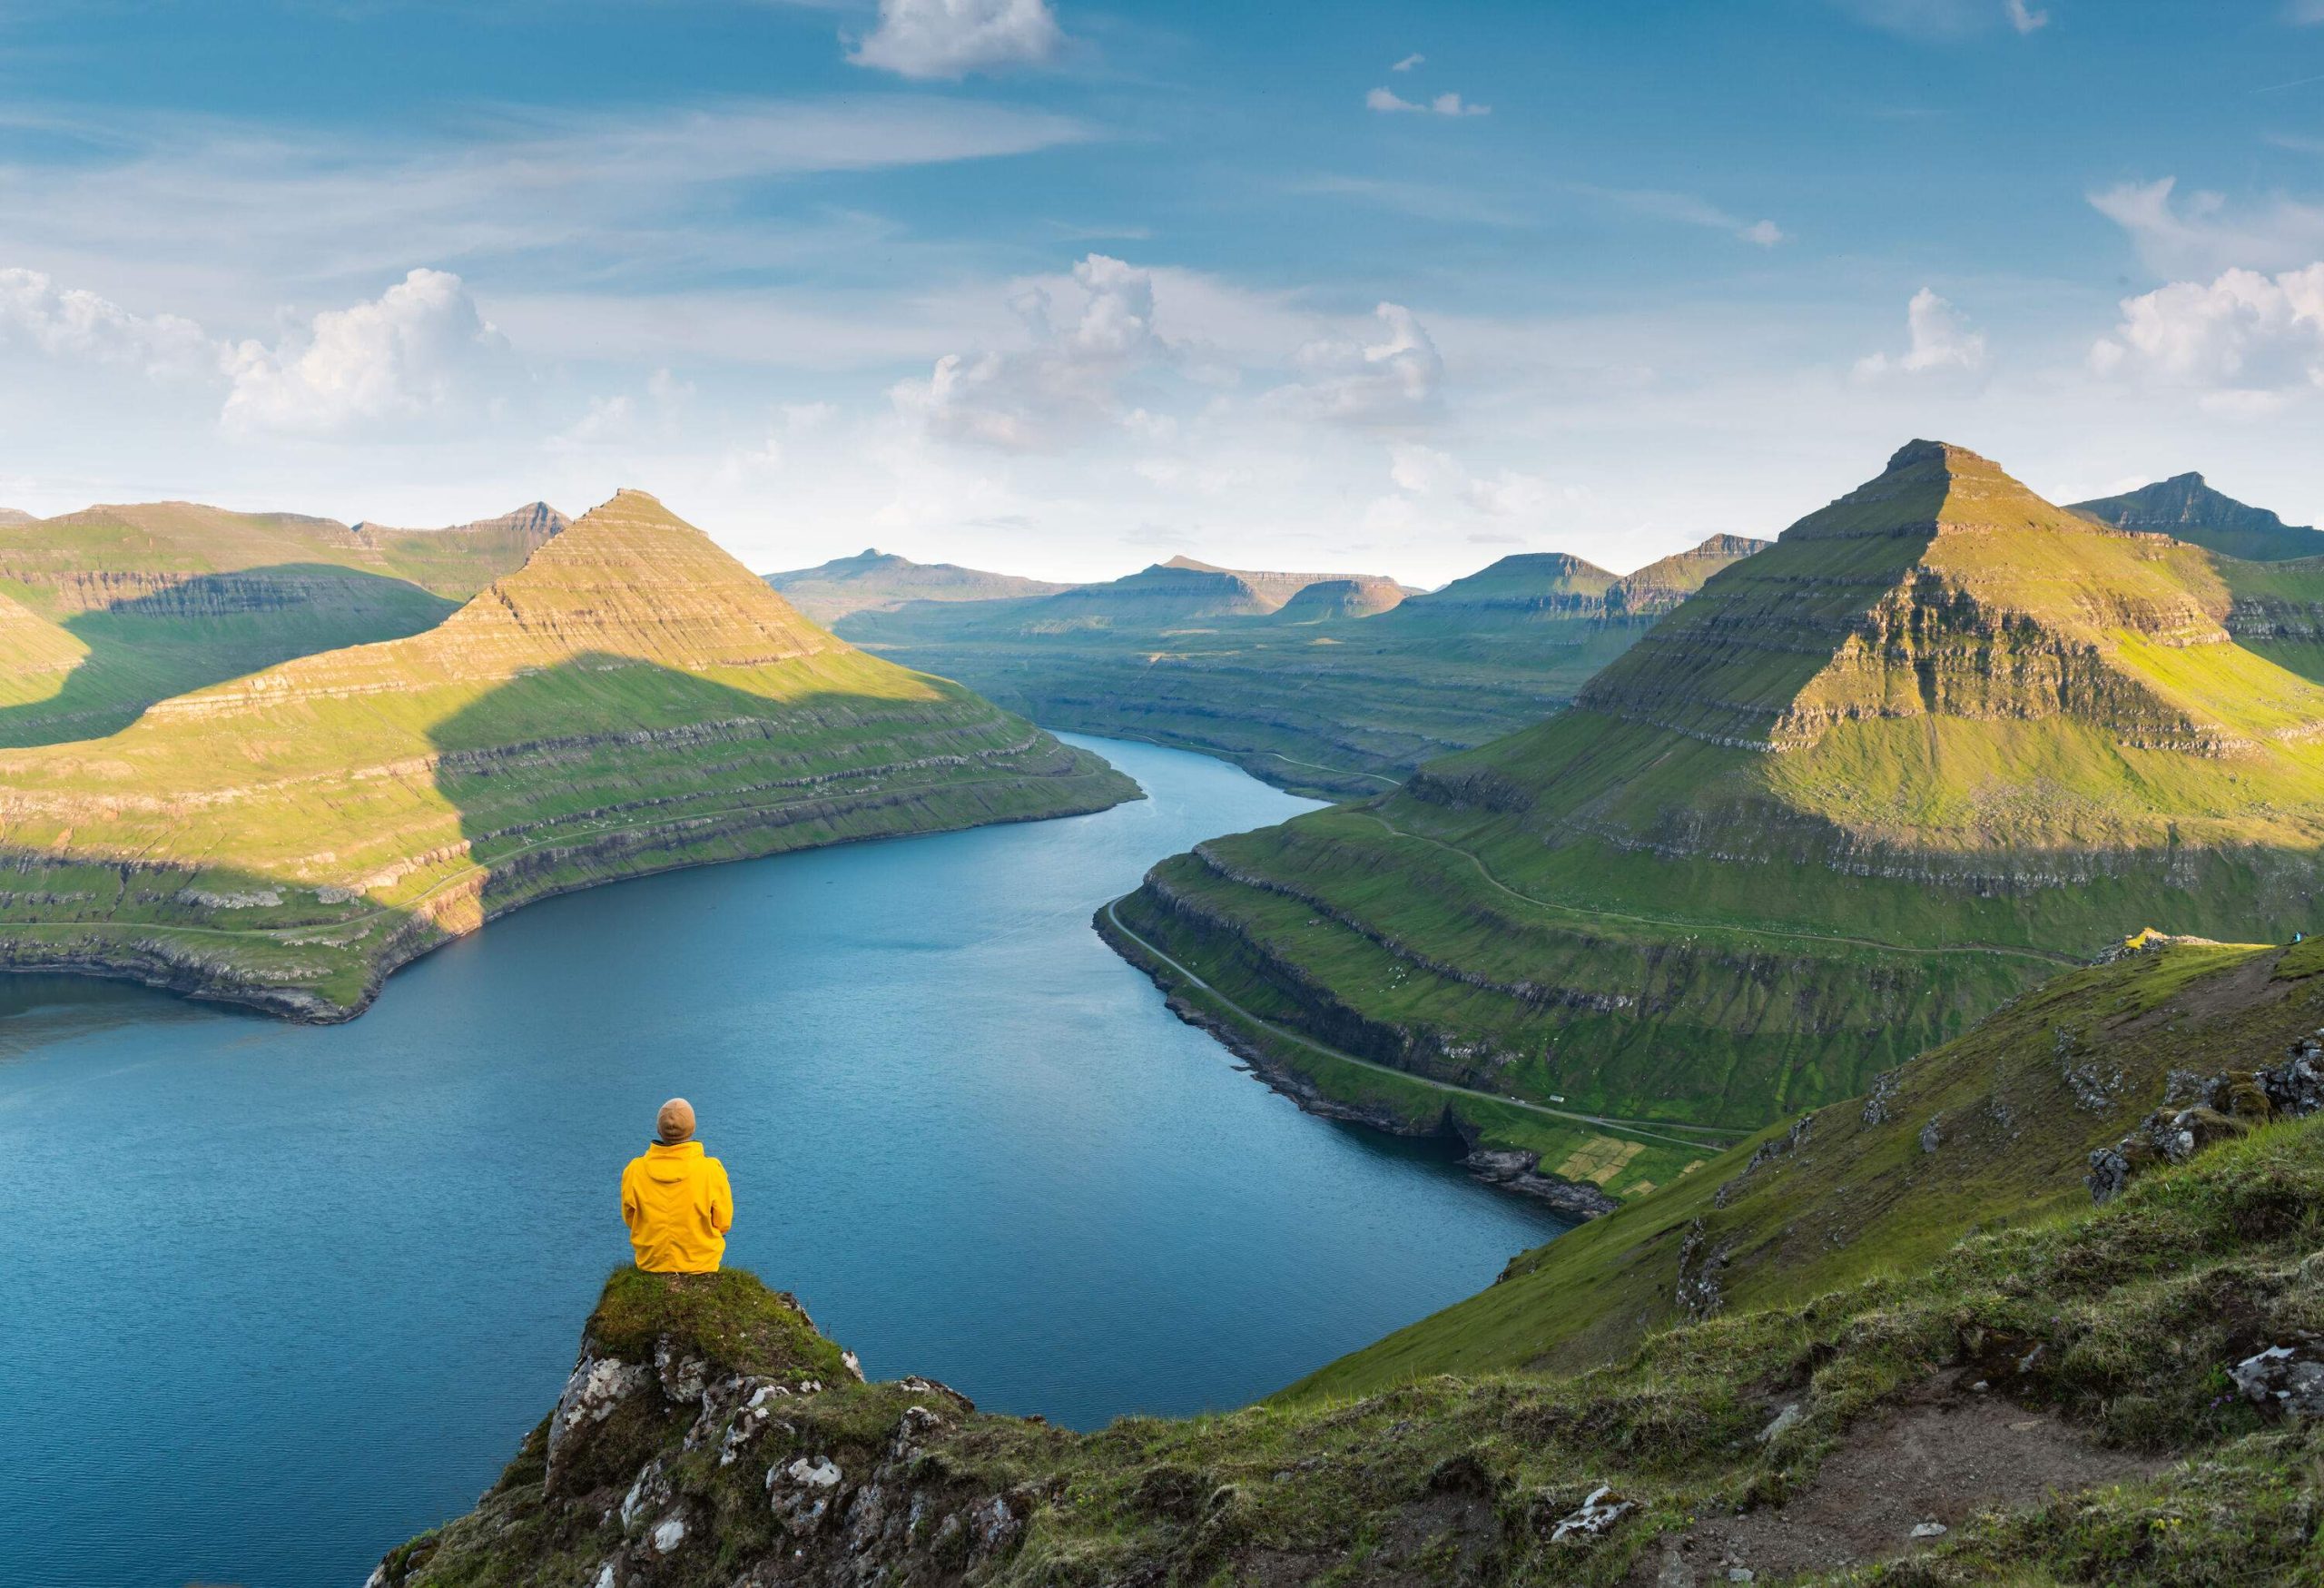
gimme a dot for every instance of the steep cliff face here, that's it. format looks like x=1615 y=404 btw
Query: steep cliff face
x=631 y=699
x=1851 y=795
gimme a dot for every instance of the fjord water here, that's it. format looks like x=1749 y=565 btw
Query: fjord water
x=280 y=1296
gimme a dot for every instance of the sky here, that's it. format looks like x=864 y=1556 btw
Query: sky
x=1065 y=288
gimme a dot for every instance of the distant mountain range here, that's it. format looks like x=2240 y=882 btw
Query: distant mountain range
x=874 y=580
x=1850 y=795
x=629 y=699
x=1330 y=684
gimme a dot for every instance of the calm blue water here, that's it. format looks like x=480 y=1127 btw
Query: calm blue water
x=279 y=1297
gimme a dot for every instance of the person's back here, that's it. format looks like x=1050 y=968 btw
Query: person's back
x=675 y=1200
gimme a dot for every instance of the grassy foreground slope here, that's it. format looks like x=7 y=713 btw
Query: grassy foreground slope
x=1854 y=793
x=629 y=700
x=2068 y=1395
x=113 y=608
x=1992 y=1130
x=1327 y=685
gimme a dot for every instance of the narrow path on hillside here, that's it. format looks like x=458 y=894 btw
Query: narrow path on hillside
x=1269 y=1026
x=1894 y=947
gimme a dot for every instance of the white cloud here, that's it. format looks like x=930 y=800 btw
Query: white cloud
x=2304 y=12
x=1686 y=209
x=2024 y=18
x=951 y=38
x=1425 y=473
x=69 y=322
x=1032 y=399
x=420 y=351
x=2243 y=343
x=1443 y=105
x=2201 y=236
x=1941 y=340
x=1398 y=381
x=1409 y=62
x=223 y=219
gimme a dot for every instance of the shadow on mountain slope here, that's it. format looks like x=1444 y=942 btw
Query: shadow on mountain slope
x=604 y=766
x=174 y=636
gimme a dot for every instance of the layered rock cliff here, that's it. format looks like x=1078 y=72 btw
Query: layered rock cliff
x=631 y=699
x=1855 y=792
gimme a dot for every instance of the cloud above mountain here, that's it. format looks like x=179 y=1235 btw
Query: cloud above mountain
x=2203 y=233
x=953 y=38
x=1065 y=380
x=1939 y=339
x=1395 y=381
x=74 y=324
x=421 y=351
x=2242 y=341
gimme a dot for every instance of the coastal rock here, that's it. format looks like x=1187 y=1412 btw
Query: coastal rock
x=684 y=1377
x=596 y=1390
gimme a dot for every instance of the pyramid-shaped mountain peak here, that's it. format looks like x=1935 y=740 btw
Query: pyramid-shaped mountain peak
x=1945 y=588
x=630 y=579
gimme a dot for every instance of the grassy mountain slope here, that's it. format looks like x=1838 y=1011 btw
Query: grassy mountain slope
x=1991 y=1130
x=2186 y=508
x=2057 y=1394
x=145 y=602
x=629 y=700
x=1853 y=794
x=874 y=580
x=1341 y=702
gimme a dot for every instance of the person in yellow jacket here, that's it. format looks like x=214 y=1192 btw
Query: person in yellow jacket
x=675 y=1200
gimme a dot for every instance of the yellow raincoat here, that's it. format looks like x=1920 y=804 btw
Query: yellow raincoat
x=678 y=1207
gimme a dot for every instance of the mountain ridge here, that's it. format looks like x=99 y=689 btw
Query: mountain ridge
x=630 y=699
x=1332 y=695
x=2186 y=507
x=874 y=580
x=1853 y=792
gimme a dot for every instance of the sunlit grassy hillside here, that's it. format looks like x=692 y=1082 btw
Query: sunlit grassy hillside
x=629 y=700
x=1852 y=795
x=113 y=608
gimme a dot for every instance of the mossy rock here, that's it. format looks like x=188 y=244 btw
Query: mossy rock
x=729 y=1319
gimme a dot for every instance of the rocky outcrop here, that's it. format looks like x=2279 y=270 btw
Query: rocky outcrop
x=2200 y=1113
x=701 y=1424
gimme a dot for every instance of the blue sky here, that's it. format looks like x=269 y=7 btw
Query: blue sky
x=1065 y=288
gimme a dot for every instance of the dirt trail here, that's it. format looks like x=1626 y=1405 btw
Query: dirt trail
x=1939 y=1465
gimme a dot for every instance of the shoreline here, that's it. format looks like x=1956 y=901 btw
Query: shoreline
x=1515 y=1171
x=146 y=962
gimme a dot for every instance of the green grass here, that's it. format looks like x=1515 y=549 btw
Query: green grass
x=105 y=612
x=1856 y=793
x=1335 y=707
x=629 y=701
x=2119 y=1321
